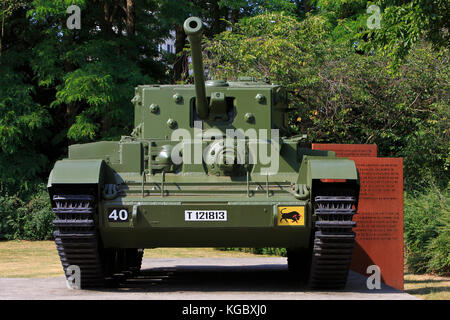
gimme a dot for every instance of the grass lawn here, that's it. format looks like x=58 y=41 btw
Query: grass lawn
x=428 y=287
x=29 y=259
x=196 y=253
x=39 y=259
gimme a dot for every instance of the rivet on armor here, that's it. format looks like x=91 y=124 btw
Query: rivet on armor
x=260 y=98
x=172 y=123
x=154 y=108
x=249 y=117
x=178 y=98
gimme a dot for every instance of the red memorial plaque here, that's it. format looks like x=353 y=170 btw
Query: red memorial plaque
x=348 y=150
x=379 y=222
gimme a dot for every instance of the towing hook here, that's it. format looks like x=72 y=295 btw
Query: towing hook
x=301 y=191
x=110 y=191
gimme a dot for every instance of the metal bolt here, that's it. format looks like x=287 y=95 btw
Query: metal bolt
x=177 y=98
x=260 y=98
x=154 y=108
x=249 y=117
x=172 y=123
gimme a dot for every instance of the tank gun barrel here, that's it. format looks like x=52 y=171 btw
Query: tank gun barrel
x=193 y=27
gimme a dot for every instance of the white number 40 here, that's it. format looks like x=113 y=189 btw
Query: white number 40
x=118 y=214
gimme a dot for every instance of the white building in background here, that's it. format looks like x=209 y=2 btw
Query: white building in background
x=169 y=44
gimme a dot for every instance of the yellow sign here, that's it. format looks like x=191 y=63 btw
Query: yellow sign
x=291 y=216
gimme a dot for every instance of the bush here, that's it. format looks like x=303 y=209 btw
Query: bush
x=29 y=219
x=427 y=232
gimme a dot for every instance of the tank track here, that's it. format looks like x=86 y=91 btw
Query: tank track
x=134 y=260
x=76 y=237
x=78 y=242
x=333 y=241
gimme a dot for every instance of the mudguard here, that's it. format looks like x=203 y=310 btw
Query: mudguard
x=326 y=168
x=77 y=172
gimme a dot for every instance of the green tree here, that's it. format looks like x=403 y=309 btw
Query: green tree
x=406 y=22
x=94 y=69
x=172 y=15
x=59 y=86
x=7 y=8
x=340 y=96
x=23 y=121
x=217 y=16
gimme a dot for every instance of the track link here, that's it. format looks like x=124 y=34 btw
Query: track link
x=333 y=241
x=77 y=239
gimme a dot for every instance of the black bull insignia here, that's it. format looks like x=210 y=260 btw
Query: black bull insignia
x=293 y=215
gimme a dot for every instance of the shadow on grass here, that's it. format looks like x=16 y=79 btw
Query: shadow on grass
x=428 y=290
x=424 y=281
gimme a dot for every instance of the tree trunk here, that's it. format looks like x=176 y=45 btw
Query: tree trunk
x=215 y=23
x=307 y=5
x=2 y=34
x=131 y=16
x=234 y=16
x=106 y=125
x=179 y=65
x=104 y=24
x=303 y=6
x=71 y=113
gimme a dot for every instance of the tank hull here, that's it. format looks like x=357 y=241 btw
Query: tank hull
x=162 y=222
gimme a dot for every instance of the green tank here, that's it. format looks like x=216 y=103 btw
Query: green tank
x=207 y=165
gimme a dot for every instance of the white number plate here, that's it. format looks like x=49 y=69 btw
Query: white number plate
x=205 y=215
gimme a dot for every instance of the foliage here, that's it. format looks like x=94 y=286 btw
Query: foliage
x=427 y=232
x=20 y=121
x=267 y=45
x=93 y=73
x=406 y=22
x=267 y=250
x=342 y=9
x=59 y=86
x=29 y=220
x=345 y=97
x=255 y=7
